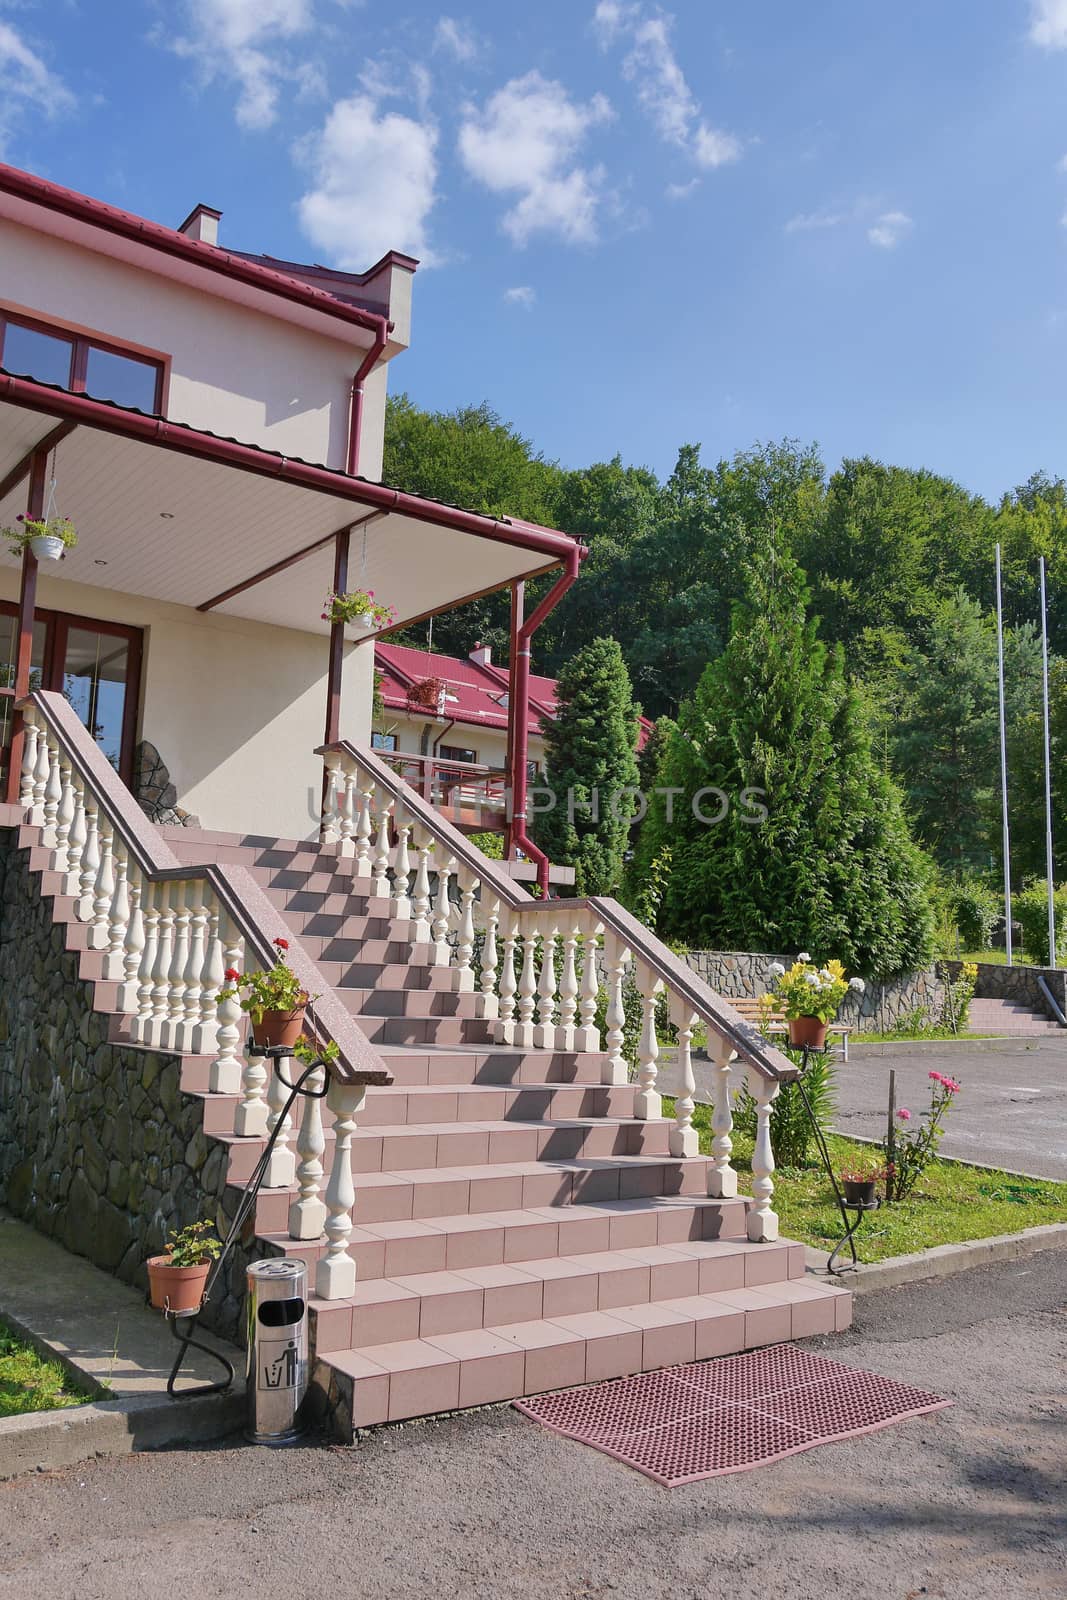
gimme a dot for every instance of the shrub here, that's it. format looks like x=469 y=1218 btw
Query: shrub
x=1030 y=909
x=792 y=1134
x=974 y=908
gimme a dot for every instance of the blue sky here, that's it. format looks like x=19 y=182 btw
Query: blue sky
x=724 y=221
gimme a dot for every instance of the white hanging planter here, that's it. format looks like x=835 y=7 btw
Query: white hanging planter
x=46 y=547
x=359 y=627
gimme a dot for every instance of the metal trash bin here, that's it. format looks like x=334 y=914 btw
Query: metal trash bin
x=277 y=1367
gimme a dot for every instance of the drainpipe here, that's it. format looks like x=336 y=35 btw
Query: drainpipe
x=519 y=701
x=355 y=422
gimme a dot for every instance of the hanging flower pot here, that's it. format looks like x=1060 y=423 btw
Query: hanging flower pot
x=47 y=537
x=808 y=1031
x=359 y=611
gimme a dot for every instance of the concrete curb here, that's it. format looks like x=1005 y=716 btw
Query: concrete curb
x=942 y=1260
x=44 y=1440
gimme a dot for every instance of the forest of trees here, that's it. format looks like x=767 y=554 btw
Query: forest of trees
x=893 y=569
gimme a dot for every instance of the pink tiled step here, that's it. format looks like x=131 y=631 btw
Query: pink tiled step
x=419 y=1376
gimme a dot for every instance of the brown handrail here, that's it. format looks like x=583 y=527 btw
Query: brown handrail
x=241 y=896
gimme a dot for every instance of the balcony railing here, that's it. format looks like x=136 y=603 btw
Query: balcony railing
x=472 y=795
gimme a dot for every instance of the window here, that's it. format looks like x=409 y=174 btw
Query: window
x=453 y=752
x=80 y=363
x=383 y=741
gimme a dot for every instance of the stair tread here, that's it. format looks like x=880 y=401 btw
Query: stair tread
x=498 y=1169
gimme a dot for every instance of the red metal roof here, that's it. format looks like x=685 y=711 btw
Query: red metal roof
x=474 y=690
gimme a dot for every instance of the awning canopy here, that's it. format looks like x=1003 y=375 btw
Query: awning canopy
x=180 y=515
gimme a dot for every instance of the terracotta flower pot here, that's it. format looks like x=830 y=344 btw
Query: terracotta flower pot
x=280 y=1027
x=46 y=547
x=807 y=1031
x=178 y=1290
x=859 y=1191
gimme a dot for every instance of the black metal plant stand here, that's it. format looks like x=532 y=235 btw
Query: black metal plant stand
x=843 y=1205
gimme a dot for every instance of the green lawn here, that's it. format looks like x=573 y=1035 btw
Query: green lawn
x=30 y=1383
x=953 y=1203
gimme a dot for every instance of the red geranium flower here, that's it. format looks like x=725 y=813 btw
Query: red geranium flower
x=231 y=974
x=282 y=944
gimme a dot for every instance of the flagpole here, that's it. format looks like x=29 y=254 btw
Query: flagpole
x=1003 y=769
x=1048 y=775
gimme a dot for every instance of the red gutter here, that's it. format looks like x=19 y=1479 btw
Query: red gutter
x=355 y=421
x=518 y=707
x=68 y=202
x=80 y=408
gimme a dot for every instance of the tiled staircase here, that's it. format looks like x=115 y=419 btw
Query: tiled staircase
x=1006 y=1017
x=516 y=1229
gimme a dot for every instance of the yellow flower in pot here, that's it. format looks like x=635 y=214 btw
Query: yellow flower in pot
x=810 y=997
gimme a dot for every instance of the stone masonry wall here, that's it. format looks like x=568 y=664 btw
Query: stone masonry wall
x=99 y=1147
x=740 y=973
x=1019 y=984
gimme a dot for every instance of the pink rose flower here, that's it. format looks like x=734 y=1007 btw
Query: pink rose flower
x=904 y=1114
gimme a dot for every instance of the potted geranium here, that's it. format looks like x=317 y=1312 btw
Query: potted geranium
x=176 y=1280
x=358 y=610
x=273 y=999
x=47 y=537
x=858 y=1181
x=810 y=997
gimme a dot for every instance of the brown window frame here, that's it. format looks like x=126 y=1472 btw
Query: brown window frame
x=82 y=341
x=457 y=753
x=57 y=626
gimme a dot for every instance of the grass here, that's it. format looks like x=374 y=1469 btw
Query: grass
x=30 y=1383
x=953 y=1203
x=916 y=1033
x=996 y=958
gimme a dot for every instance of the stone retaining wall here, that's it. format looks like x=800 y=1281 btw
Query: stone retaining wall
x=737 y=974
x=1020 y=985
x=99 y=1147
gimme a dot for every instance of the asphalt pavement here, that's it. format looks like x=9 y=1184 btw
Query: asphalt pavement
x=963 y=1504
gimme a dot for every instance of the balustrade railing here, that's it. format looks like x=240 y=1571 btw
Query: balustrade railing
x=166 y=933
x=545 y=972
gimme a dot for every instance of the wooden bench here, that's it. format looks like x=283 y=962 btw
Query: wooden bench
x=749 y=1007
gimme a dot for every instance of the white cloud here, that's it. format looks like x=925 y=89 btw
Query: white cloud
x=887 y=230
x=682 y=191
x=522 y=296
x=524 y=142
x=240 y=39
x=1048 y=23
x=1061 y=165
x=810 y=221
x=374 y=184
x=27 y=84
x=457 y=39
x=663 y=91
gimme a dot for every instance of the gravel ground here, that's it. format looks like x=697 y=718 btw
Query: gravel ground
x=967 y=1502
x=1011 y=1112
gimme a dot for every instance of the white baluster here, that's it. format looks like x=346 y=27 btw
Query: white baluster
x=205 y=1038
x=648 y=1102
x=90 y=862
x=488 y=1005
x=545 y=1031
x=141 y=1027
x=683 y=1140
x=179 y=960
x=280 y=1170
x=346 y=844
x=103 y=891
x=64 y=815
x=134 y=947
x=53 y=793
x=194 y=966
x=615 y=1068
x=568 y=989
x=335 y=1272
x=722 y=1179
x=364 y=826
x=505 y=1028
x=379 y=883
x=118 y=921
x=40 y=778
x=162 y=969
x=524 y=1028
x=30 y=739
x=463 y=973
x=226 y=1075
x=442 y=914
x=587 y=1037
x=420 y=908
x=401 y=906
x=75 y=845
x=307 y=1214
x=762 y=1221
x=329 y=827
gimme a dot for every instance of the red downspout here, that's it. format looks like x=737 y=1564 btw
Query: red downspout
x=355 y=421
x=520 y=679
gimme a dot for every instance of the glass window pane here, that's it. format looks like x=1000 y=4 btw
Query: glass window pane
x=121 y=379
x=383 y=741
x=43 y=356
x=94 y=682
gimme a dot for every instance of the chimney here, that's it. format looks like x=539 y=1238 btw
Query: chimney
x=202 y=224
x=481 y=655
